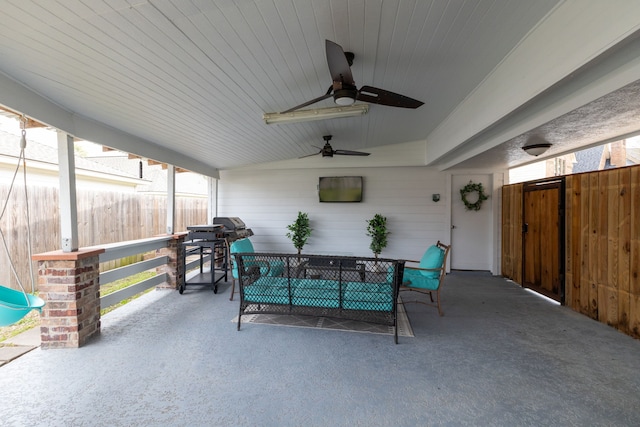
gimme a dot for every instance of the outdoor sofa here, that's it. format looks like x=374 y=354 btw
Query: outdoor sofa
x=361 y=289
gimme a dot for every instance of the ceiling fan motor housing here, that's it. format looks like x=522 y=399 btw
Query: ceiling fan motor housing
x=327 y=150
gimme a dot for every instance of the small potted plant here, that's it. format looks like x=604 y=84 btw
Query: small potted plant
x=299 y=231
x=377 y=230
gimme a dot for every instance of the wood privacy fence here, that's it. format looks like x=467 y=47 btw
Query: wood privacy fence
x=602 y=242
x=103 y=217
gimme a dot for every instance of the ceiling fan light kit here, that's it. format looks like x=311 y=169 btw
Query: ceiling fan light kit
x=299 y=116
x=537 y=149
x=344 y=97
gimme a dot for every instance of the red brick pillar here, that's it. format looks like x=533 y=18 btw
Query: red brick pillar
x=173 y=267
x=69 y=284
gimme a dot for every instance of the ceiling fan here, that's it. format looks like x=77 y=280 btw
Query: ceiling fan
x=344 y=90
x=328 y=151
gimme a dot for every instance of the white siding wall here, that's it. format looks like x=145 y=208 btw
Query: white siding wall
x=268 y=200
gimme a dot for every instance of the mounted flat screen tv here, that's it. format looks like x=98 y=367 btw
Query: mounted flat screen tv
x=341 y=189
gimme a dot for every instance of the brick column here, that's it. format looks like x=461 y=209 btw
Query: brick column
x=173 y=267
x=69 y=284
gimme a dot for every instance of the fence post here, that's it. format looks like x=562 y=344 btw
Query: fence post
x=69 y=283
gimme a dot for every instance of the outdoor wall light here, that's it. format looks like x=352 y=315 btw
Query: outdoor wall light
x=435 y=197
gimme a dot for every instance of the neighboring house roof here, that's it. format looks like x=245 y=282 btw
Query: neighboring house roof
x=154 y=177
x=588 y=160
x=118 y=168
x=36 y=151
x=600 y=157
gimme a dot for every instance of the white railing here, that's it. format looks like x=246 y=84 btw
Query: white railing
x=120 y=250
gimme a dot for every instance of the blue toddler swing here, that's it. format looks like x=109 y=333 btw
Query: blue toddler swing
x=14 y=304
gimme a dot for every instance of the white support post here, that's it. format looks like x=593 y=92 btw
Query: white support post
x=212 y=199
x=171 y=199
x=68 y=204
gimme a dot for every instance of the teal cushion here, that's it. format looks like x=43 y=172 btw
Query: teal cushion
x=367 y=287
x=268 y=290
x=240 y=246
x=415 y=279
x=432 y=258
x=273 y=281
x=368 y=296
x=390 y=272
x=275 y=268
x=266 y=294
x=315 y=293
x=303 y=285
x=267 y=268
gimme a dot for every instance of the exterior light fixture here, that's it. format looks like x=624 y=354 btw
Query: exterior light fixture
x=537 y=149
x=316 y=114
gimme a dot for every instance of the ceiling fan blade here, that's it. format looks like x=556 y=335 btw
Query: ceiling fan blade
x=314 y=154
x=313 y=101
x=309 y=155
x=338 y=64
x=384 y=97
x=350 y=153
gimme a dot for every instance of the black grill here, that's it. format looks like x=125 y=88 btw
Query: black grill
x=233 y=228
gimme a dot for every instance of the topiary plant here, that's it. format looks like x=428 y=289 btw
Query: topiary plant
x=377 y=229
x=299 y=231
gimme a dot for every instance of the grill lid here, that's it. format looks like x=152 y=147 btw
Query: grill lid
x=208 y=228
x=230 y=223
x=233 y=227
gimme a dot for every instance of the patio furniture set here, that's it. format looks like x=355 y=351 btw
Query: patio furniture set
x=354 y=288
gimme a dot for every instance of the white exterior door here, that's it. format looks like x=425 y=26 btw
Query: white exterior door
x=471 y=231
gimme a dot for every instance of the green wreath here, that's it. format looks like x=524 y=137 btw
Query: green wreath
x=473 y=188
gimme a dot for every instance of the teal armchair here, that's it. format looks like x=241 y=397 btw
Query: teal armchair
x=427 y=276
x=267 y=268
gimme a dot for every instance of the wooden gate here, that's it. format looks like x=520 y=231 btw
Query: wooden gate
x=600 y=271
x=543 y=237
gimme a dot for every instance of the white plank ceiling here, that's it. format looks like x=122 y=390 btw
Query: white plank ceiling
x=195 y=76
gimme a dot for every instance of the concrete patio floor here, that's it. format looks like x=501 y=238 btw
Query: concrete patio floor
x=499 y=356
x=14 y=347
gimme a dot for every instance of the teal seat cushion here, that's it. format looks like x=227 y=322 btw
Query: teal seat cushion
x=416 y=279
x=315 y=293
x=367 y=296
x=268 y=291
x=432 y=258
x=321 y=293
